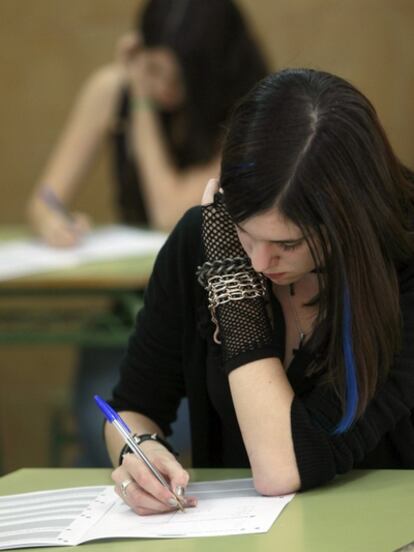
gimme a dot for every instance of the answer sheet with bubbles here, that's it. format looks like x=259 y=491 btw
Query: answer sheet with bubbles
x=73 y=516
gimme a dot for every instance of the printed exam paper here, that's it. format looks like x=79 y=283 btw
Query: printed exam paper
x=72 y=516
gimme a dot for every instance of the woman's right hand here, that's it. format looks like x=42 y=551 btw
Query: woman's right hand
x=143 y=493
x=132 y=57
x=127 y=48
x=58 y=229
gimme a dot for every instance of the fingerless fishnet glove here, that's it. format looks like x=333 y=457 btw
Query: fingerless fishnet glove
x=236 y=293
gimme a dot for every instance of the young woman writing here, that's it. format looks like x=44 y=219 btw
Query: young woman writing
x=296 y=351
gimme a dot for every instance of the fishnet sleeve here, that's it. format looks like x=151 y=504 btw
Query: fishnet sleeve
x=237 y=294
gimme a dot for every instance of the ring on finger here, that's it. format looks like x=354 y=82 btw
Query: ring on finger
x=123 y=487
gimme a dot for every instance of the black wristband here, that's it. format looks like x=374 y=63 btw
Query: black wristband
x=138 y=439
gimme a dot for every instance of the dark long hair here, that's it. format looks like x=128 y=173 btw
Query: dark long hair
x=310 y=144
x=220 y=63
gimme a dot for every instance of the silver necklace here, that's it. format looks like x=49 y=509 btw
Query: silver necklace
x=301 y=333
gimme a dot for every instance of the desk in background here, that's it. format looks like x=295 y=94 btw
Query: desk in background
x=91 y=305
x=364 y=511
x=73 y=306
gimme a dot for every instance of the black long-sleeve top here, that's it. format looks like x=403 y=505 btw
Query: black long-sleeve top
x=171 y=354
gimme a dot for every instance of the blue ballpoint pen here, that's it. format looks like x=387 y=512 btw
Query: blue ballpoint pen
x=115 y=419
x=51 y=199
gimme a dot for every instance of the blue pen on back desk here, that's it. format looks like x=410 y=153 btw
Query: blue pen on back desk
x=115 y=419
x=51 y=199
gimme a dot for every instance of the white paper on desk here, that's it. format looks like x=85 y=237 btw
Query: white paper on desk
x=230 y=507
x=31 y=256
x=47 y=518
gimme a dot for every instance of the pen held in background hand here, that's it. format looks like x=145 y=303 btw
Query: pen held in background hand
x=49 y=197
x=115 y=419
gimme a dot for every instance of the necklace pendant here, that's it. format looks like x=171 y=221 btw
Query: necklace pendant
x=301 y=340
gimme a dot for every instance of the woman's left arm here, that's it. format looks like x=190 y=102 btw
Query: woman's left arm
x=262 y=398
x=250 y=350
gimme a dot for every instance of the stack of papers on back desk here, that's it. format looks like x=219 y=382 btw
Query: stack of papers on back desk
x=68 y=517
x=31 y=256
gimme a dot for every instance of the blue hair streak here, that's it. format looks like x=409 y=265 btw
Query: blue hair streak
x=235 y=170
x=351 y=384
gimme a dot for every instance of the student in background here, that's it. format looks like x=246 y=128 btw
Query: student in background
x=162 y=104
x=284 y=307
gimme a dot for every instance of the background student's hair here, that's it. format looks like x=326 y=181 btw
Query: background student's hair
x=218 y=59
x=310 y=144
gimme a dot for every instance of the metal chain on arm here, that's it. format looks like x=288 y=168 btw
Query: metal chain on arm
x=236 y=292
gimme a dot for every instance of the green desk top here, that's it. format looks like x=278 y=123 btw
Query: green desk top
x=364 y=511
